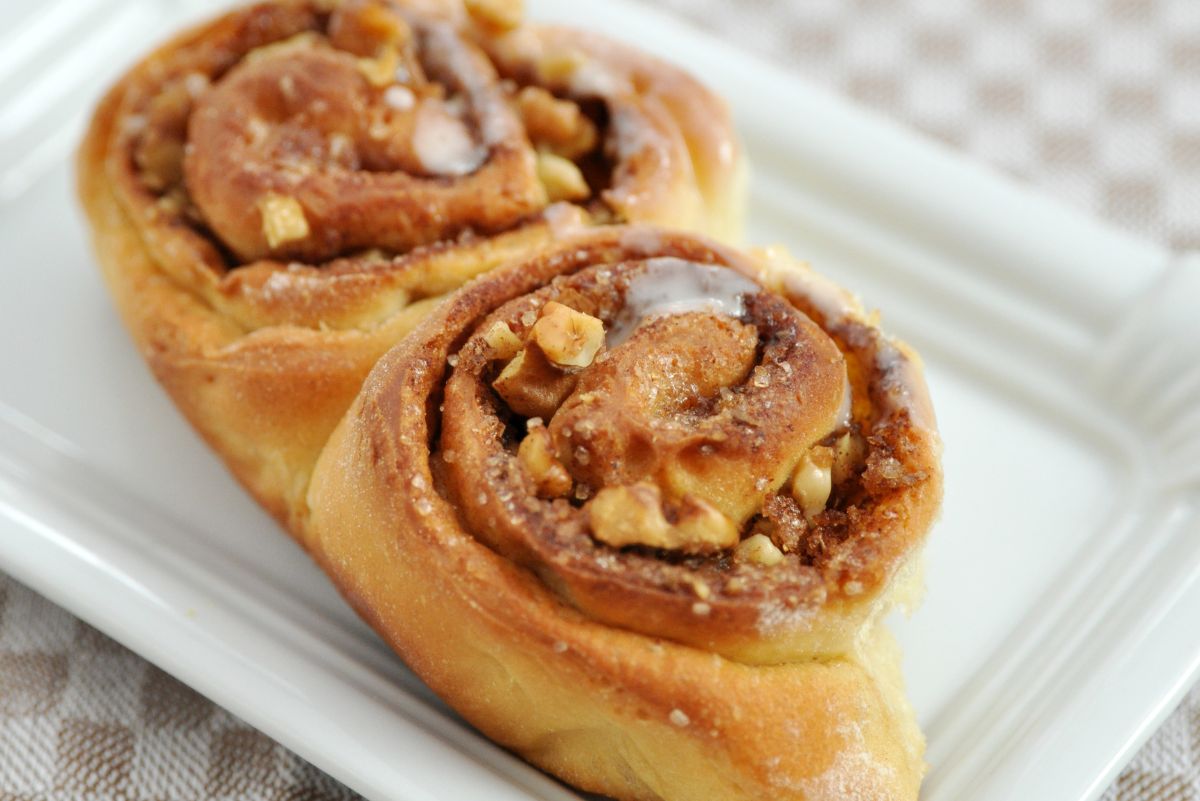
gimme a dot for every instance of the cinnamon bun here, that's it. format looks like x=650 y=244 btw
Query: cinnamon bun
x=635 y=507
x=279 y=195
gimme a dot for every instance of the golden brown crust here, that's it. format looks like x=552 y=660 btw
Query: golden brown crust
x=271 y=216
x=609 y=666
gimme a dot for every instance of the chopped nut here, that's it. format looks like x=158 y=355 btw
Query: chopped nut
x=532 y=386
x=558 y=126
x=381 y=70
x=633 y=515
x=159 y=147
x=849 y=451
x=501 y=339
x=283 y=219
x=499 y=14
x=380 y=22
x=161 y=161
x=701 y=522
x=367 y=29
x=567 y=337
x=760 y=550
x=560 y=65
x=561 y=179
x=536 y=453
x=812 y=481
x=630 y=515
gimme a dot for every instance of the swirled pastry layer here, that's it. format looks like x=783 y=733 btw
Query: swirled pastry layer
x=645 y=449
x=286 y=159
x=278 y=195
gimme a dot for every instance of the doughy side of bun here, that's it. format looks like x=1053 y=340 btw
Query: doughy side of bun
x=720 y=696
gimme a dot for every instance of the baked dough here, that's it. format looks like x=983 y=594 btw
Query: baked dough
x=650 y=555
x=277 y=196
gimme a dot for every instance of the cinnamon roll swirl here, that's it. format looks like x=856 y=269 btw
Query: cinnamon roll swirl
x=278 y=195
x=635 y=506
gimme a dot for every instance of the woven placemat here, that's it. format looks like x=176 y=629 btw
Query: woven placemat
x=1096 y=102
x=83 y=717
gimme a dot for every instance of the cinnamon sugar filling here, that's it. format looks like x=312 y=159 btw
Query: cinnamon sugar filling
x=291 y=134
x=709 y=443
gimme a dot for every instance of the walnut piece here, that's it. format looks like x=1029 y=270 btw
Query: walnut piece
x=536 y=454
x=498 y=14
x=558 y=126
x=369 y=29
x=531 y=385
x=503 y=342
x=561 y=179
x=283 y=219
x=567 y=337
x=849 y=453
x=159 y=149
x=813 y=480
x=381 y=70
x=560 y=65
x=633 y=515
x=759 y=549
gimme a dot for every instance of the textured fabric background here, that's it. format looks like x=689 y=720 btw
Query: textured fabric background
x=1096 y=101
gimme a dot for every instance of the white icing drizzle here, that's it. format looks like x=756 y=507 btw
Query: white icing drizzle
x=497 y=122
x=632 y=135
x=443 y=143
x=669 y=285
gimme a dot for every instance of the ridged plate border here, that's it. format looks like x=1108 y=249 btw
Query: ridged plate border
x=1108 y=653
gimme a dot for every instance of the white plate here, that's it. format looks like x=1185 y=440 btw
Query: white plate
x=1064 y=578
